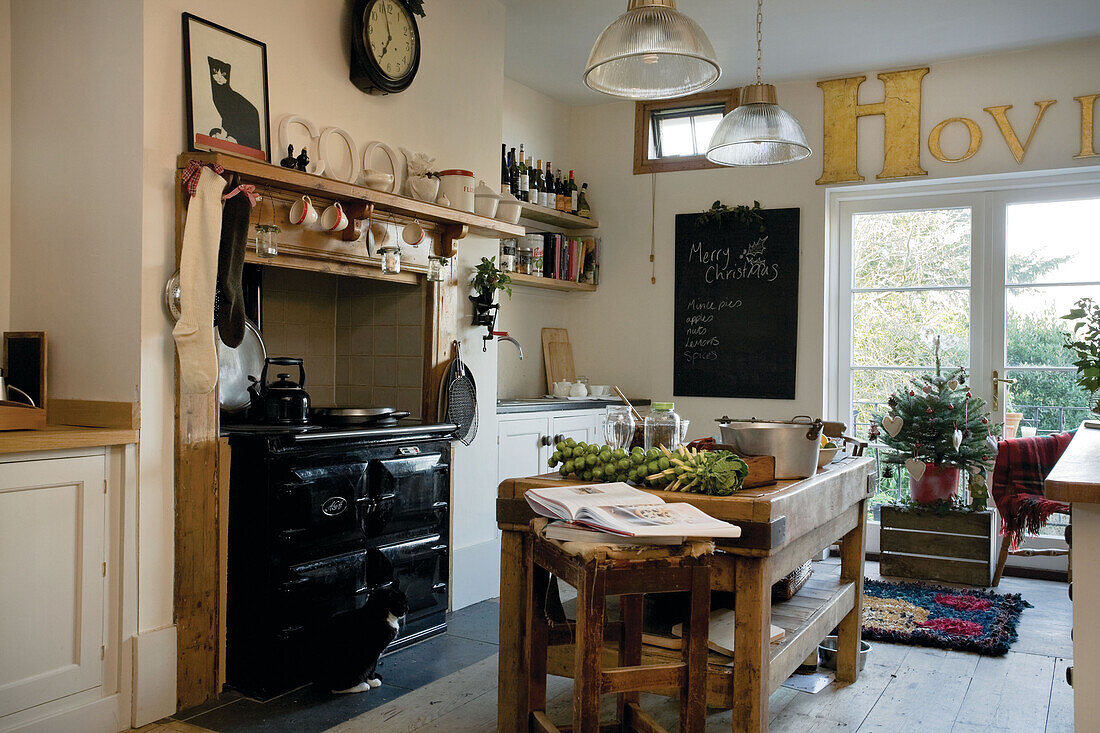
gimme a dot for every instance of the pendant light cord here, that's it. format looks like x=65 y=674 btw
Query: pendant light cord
x=759 y=36
x=653 y=229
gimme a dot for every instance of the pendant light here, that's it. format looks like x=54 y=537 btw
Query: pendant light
x=758 y=131
x=652 y=51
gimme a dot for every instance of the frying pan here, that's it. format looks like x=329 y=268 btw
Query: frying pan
x=354 y=415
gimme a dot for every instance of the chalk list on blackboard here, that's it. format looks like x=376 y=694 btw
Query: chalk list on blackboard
x=736 y=312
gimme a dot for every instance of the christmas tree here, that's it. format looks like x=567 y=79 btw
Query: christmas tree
x=937 y=420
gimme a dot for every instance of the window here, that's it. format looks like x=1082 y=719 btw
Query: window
x=673 y=134
x=992 y=265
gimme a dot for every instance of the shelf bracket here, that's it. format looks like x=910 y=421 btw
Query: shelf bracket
x=451 y=232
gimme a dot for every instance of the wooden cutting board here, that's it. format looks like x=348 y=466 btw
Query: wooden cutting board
x=559 y=365
x=560 y=336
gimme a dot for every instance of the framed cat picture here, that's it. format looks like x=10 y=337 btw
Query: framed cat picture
x=226 y=86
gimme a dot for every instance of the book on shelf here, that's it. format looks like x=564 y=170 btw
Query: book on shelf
x=720 y=636
x=620 y=509
x=572 y=259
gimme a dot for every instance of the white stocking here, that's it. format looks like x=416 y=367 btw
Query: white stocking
x=194 y=332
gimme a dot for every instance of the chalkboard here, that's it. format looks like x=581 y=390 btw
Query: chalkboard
x=736 y=327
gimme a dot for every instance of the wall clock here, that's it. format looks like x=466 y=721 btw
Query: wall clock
x=385 y=46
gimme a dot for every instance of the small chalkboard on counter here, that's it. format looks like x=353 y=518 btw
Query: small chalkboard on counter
x=736 y=314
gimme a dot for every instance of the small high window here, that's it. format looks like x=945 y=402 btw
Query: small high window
x=673 y=134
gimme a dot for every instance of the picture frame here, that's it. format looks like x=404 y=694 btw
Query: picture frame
x=225 y=85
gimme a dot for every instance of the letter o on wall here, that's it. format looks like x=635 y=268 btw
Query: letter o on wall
x=975 y=140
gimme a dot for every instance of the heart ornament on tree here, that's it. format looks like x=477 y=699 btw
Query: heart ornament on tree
x=957 y=439
x=953 y=384
x=892 y=425
x=915 y=468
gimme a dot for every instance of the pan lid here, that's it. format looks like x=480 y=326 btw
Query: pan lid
x=234 y=367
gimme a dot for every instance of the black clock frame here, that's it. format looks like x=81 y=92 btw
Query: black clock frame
x=366 y=74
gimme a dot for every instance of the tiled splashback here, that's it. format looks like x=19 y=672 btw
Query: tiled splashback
x=361 y=340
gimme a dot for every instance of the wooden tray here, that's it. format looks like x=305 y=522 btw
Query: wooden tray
x=15 y=416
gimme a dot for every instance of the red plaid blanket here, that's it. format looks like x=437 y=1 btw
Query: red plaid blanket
x=1022 y=466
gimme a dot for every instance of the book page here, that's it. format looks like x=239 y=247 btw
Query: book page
x=564 y=502
x=656 y=520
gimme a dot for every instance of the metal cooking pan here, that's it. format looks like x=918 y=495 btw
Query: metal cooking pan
x=354 y=415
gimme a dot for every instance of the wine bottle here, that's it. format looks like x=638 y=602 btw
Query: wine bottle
x=583 y=209
x=513 y=173
x=573 y=194
x=523 y=175
x=560 y=191
x=533 y=182
x=548 y=188
x=504 y=168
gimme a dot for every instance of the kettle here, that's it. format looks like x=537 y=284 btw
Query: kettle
x=282 y=402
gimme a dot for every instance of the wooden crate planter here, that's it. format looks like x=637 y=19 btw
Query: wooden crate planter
x=960 y=547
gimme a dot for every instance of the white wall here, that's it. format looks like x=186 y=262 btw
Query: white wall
x=452 y=111
x=75 y=216
x=636 y=344
x=5 y=164
x=543 y=125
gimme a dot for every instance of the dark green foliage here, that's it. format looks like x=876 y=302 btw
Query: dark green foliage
x=1084 y=342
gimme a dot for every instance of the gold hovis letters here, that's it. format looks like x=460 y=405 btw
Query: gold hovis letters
x=901 y=112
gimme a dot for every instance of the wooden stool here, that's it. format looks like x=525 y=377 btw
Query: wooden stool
x=597 y=571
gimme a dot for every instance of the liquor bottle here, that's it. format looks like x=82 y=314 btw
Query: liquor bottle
x=547 y=198
x=513 y=173
x=533 y=182
x=560 y=191
x=523 y=175
x=583 y=209
x=504 y=168
x=573 y=194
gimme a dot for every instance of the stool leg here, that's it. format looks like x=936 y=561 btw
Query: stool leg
x=693 y=699
x=589 y=650
x=536 y=624
x=630 y=646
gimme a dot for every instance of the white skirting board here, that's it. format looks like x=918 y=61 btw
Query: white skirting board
x=154 y=675
x=97 y=716
x=475 y=573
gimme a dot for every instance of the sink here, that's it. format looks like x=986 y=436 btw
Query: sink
x=519 y=402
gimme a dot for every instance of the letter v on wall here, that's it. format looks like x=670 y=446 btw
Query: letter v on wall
x=1009 y=134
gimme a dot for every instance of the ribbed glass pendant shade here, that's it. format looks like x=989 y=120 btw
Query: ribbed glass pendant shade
x=652 y=52
x=758 y=132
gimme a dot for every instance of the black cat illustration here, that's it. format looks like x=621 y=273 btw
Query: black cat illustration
x=240 y=120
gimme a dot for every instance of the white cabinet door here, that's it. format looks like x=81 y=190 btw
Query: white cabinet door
x=520 y=447
x=585 y=428
x=51 y=579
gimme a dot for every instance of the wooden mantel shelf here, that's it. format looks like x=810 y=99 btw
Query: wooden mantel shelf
x=275 y=176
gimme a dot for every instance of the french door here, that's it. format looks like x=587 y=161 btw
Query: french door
x=989 y=266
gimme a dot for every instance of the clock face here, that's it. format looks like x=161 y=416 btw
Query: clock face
x=391 y=37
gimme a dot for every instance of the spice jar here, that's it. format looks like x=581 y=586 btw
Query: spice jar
x=508 y=255
x=523 y=261
x=435 y=268
x=391 y=260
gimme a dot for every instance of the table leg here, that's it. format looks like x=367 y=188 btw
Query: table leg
x=630 y=644
x=589 y=651
x=751 y=644
x=693 y=700
x=515 y=577
x=851 y=571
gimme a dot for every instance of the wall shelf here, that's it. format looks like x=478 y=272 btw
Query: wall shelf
x=544 y=215
x=549 y=283
x=454 y=223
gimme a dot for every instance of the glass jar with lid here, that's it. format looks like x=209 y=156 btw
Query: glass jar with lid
x=662 y=426
x=508 y=255
x=523 y=260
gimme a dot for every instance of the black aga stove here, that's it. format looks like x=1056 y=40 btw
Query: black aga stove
x=319 y=518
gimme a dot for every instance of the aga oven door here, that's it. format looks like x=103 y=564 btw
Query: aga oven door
x=420 y=570
x=410 y=496
x=319 y=509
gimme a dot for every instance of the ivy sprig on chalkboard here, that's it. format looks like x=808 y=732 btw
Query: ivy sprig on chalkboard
x=747 y=215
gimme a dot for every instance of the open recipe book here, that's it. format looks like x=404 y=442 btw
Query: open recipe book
x=620 y=509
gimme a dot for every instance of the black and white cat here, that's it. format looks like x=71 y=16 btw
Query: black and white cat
x=240 y=120
x=355 y=640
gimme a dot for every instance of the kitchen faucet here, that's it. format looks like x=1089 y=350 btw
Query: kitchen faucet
x=503 y=336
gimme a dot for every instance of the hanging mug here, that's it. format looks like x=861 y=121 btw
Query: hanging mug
x=334 y=219
x=302 y=212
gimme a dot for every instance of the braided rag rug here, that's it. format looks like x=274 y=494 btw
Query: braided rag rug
x=932 y=615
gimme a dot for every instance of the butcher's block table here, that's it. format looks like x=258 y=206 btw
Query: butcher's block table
x=781 y=526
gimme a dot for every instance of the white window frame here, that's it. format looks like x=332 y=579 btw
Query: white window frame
x=987 y=195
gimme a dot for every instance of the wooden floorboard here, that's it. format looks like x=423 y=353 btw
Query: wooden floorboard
x=1060 y=712
x=1009 y=693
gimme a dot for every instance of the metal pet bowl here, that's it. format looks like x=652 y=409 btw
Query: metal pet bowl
x=826 y=653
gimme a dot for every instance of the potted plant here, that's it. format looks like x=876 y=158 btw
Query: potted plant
x=488 y=279
x=1084 y=341
x=936 y=428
